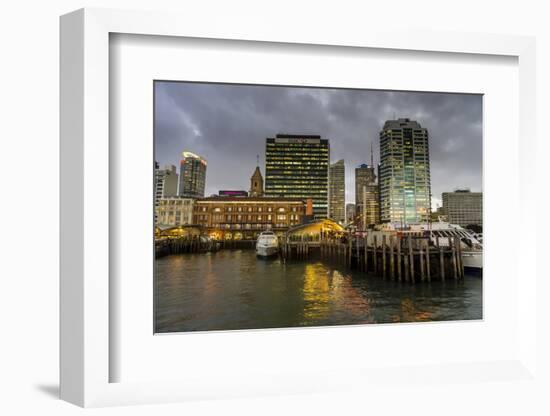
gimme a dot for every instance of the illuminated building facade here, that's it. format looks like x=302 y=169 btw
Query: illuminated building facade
x=297 y=166
x=245 y=218
x=463 y=207
x=337 y=192
x=405 y=187
x=367 y=208
x=192 y=175
x=175 y=211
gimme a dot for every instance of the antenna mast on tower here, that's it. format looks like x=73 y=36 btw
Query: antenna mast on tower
x=371 y=156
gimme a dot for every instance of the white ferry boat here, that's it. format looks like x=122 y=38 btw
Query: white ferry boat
x=267 y=244
x=472 y=247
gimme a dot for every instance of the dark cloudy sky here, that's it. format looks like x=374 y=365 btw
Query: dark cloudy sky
x=227 y=124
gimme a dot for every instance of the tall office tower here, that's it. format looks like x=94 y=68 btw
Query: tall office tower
x=367 y=209
x=350 y=213
x=256 y=184
x=337 y=192
x=192 y=175
x=296 y=166
x=463 y=207
x=405 y=188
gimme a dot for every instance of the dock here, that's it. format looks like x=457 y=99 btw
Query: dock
x=407 y=257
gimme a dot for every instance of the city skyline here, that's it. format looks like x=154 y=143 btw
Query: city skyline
x=227 y=125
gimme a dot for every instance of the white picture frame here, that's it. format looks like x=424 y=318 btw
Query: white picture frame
x=85 y=211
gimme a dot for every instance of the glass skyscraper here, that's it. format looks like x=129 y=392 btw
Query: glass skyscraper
x=297 y=166
x=337 y=192
x=405 y=189
x=192 y=175
x=366 y=196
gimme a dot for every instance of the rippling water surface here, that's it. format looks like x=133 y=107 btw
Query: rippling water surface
x=233 y=289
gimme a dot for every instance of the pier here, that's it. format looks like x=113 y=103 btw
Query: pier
x=399 y=257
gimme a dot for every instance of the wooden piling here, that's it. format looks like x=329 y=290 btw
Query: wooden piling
x=399 y=258
x=421 y=255
x=384 y=256
x=441 y=259
x=411 y=257
x=375 y=259
x=460 y=260
x=392 y=268
x=406 y=267
x=428 y=275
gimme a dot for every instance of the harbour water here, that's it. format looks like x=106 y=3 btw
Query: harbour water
x=233 y=289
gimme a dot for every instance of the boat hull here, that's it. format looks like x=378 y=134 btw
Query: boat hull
x=266 y=251
x=472 y=260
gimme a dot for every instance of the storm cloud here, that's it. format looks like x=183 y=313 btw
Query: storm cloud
x=227 y=124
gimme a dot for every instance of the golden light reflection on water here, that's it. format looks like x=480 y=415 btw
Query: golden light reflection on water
x=410 y=313
x=328 y=290
x=317 y=293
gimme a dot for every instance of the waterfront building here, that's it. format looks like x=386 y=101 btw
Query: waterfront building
x=166 y=183
x=350 y=213
x=232 y=192
x=297 y=167
x=192 y=175
x=337 y=192
x=256 y=183
x=241 y=218
x=367 y=209
x=404 y=175
x=463 y=207
x=175 y=211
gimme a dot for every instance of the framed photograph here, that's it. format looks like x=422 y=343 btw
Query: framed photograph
x=237 y=209
x=312 y=231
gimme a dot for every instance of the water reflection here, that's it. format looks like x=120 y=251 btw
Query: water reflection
x=233 y=289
